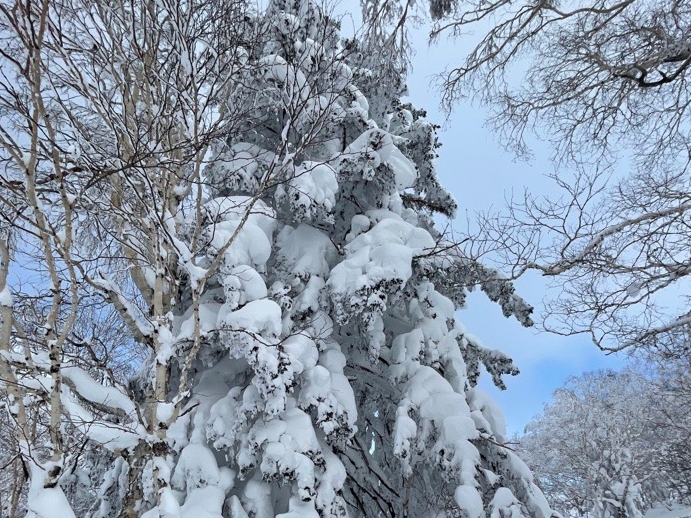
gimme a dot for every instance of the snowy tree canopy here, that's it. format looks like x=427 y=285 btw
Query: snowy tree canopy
x=602 y=447
x=242 y=201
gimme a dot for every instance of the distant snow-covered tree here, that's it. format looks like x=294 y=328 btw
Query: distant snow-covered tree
x=672 y=422
x=240 y=202
x=595 y=449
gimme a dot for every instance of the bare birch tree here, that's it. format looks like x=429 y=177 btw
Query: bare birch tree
x=108 y=114
x=591 y=77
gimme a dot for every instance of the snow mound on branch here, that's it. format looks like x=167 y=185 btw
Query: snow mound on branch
x=326 y=388
x=92 y=391
x=234 y=208
x=46 y=502
x=486 y=413
x=378 y=263
x=288 y=447
x=261 y=317
x=277 y=70
x=183 y=327
x=111 y=435
x=311 y=192
x=298 y=509
x=204 y=502
x=306 y=251
x=242 y=284
x=244 y=230
x=197 y=468
x=245 y=245
x=378 y=146
x=239 y=168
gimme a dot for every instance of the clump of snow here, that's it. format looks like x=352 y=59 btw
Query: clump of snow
x=306 y=251
x=358 y=224
x=378 y=147
x=258 y=316
x=486 y=414
x=244 y=230
x=298 y=509
x=97 y=393
x=183 y=327
x=197 y=467
x=504 y=503
x=46 y=502
x=111 y=435
x=164 y=411
x=311 y=192
x=378 y=263
x=165 y=342
x=6 y=297
x=277 y=70
x=204 y=502
x=243 y=284
x=468 y=499
x=239 y=167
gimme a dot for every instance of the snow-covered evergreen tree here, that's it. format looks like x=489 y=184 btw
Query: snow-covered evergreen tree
x=297 y=302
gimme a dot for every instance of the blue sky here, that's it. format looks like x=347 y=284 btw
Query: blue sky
x=481 y=174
